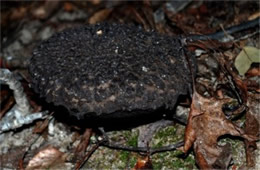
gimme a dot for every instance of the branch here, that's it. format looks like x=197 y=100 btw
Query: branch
x=20 y=114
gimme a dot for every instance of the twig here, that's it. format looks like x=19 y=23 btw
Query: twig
x=7 y=77
x=20 y=166
x=87 y=156
x=230 y=30
x=38 y=135
x=20 y=113
x=106 y=142
x=143 y=149
x=247 y=36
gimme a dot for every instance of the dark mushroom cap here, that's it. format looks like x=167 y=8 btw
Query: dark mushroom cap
x=108 y=68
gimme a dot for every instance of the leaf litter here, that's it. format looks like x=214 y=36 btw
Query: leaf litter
x=206 y=124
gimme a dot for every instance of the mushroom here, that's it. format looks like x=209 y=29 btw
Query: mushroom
x=110 y=71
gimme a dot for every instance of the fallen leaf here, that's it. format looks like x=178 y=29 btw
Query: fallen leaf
x=80 y=155
x=254 y=15
x=210 y=44
x=224 y=158
x=241 y=87
x=8 y=105
x=18 y=13
x=143 y=163
x=252 y=85
x=245 y=58
x=206 y=124
x=82 y=146
x=41 y=126
x=69 y=7
x=100 y=16
x=253 y=72
x=49 y=157
x=252 y=127
x=45 y=10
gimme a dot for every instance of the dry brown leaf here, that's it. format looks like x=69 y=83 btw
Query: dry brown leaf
x=95 y=2
x=210 y=44
x=206 y=124
x=46 y=158
x=252 y=85
x=41 y=126
x=252 y=127
x=255 y=71
x=18 y=13
x=82 y=146
x=254 y=15
x=69 y=7
x=7 y=106
x=240 y=86
x=100 y=16
x=143 y=163
x=45 y=10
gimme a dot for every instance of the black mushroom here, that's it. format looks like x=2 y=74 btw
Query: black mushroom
x=110 y=70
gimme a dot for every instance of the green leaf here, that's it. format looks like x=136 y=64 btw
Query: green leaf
x=245 y=58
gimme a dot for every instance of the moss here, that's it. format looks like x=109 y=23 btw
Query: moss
x=168 y=136
x=105 y=158
x=133 y=141
x=129 y=159
x=132 y=161
x=130 y=138
x=171 y=159
x=124 y=155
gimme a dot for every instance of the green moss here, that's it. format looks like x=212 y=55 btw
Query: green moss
x=106 y=158
x=124 y=155
x=133 y=140
x=167 y=136
x=132 y=160
x=129 y=158
x=171 y=159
